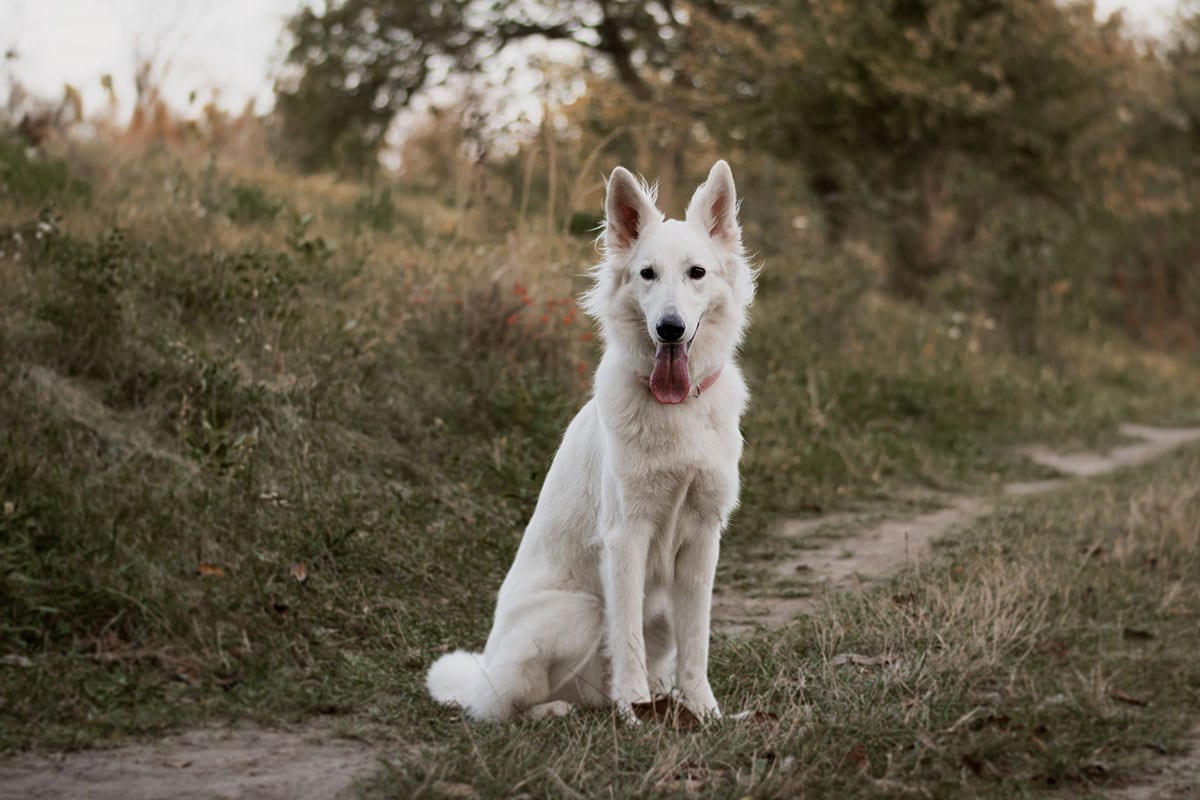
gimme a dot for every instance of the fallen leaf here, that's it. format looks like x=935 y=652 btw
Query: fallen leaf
x=1125 y=697
x=299 y=572
x=986 y=693
x=178 y=763
x=689 y=776
x=857 y=759
x=1052 y=647
x=10 y=508
x=973 y=763
x=1137 y=634
x=842 y=659
x=277 y=606
x=759 y=719
x=448 y=789
x=207 y=570
x=16 y=661
x=189 y=674
x=228 y=680
x=667 y=711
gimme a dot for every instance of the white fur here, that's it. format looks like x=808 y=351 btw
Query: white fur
x=609 y=597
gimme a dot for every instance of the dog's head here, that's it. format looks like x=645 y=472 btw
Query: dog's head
x=672 y=294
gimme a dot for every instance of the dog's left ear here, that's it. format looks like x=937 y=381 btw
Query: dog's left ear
x=714 y=206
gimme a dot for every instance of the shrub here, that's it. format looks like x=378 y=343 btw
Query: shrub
x=32 y=177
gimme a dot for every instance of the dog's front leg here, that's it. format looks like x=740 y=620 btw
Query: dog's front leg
x=691 y=601
x=624 y=574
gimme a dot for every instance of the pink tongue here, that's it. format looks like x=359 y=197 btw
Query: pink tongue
x=669 y=382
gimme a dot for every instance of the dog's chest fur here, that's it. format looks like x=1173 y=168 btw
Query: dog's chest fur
x=673 y=465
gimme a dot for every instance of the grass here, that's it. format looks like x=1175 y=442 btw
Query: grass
x=1048 y=646
x=210 y=391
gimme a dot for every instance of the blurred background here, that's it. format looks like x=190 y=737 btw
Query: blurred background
x=288 y=327
x=1058 y=138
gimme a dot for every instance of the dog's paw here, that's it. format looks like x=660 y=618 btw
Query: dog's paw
x=554 y=708
x=628 y=712
x=628 y=700
x=701 y=702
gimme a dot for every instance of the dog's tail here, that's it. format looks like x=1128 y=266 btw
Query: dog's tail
x=454 y=677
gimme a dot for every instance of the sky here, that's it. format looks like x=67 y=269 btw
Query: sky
x=227 y=50
x=232 y=47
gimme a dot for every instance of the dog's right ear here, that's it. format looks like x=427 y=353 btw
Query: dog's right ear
x=629 y=211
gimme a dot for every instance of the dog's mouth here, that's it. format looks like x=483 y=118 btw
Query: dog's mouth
x=670 y=381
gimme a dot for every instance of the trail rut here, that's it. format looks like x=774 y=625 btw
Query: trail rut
x=241 y=762
x=252 y=762
x=878 y=550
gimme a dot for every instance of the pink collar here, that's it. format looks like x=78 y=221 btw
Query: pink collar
x=709 y=381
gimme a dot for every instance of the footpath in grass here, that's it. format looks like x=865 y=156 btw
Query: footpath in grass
x=1044 y=645
x=849 y=551
x=1047 y=645
x=246 y=477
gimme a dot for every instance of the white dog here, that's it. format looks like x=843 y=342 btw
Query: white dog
x=610 y=594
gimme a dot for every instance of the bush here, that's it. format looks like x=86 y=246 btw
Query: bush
x=30 y=176
x=249 y=204
x=83 y=302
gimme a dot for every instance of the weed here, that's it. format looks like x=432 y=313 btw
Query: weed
x=189 y=409
x=31 y=177
x=249 y=204
x=376 y=211
x=84 y=302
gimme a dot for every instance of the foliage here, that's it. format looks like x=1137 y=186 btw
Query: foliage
x=365 y=391
x=31 y=176
x=248 y=203
x=359 y=62
x=885 y=104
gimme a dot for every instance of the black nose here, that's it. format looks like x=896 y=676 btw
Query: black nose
x=670 y=328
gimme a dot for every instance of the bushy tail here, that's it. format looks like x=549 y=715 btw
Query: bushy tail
x=455 y=676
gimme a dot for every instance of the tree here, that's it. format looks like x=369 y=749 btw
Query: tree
x=1183 y=61
x=356 y=65
x=879 y=100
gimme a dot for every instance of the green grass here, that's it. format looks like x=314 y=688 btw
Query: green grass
x=1050 y=645
x=251 y=385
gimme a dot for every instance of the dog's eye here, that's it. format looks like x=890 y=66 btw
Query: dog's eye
x=696 y=273
x=648 y=273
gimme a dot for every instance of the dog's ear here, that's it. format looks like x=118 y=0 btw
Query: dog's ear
x=714 y=206
x=629 y=210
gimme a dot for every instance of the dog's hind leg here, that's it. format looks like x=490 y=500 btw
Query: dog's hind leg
x=548 y=645
x=554 y=708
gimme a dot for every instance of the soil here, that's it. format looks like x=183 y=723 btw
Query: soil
x=253 y=762
x=876 y=551
x=1173 y=779
x=228 y=763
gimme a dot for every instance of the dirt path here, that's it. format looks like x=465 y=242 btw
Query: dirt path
x=872 y=551
x=1173 y=779
x=240 y=762
x=249 y=762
